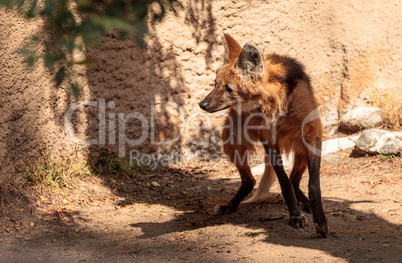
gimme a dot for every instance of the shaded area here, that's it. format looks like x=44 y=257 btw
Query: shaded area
x=133 y=218
x=200 y=16
x=147 y=93
x=377 y=239
x=128 y=80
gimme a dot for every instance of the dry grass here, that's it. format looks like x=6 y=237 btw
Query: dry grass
x=390 y=104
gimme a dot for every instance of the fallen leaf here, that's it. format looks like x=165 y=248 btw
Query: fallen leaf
x=155 y=184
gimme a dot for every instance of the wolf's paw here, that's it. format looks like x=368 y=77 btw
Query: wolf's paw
x=322 y=229
x=225 y=209
x=298 y=221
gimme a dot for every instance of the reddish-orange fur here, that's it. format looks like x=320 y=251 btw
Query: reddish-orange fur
x=272 y=93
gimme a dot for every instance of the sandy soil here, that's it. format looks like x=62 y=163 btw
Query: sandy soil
x=165 y=216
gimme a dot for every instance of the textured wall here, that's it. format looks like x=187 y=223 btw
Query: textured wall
x=348 y=48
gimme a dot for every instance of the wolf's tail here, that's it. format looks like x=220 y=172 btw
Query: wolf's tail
x=267 y=180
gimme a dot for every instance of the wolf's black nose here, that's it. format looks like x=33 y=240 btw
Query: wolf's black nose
x=203 y=105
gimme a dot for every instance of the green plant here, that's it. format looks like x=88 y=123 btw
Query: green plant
x=72 y=25
x=113 y=164
x=49 y=172
x=389 y=158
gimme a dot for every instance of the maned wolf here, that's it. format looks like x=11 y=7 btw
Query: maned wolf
x=270 y=102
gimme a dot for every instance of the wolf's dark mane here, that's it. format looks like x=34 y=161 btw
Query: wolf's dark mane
x=294 y=71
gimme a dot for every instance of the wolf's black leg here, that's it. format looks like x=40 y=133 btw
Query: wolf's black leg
x=297 y=220
x=314 y=193
x=247 y=185
x=299 y=166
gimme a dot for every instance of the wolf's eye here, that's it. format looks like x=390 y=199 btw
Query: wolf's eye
x=228 y=89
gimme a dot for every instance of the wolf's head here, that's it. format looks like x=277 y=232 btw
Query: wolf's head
x=239 y=80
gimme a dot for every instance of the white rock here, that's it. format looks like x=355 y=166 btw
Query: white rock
x=375 y=141
x=360 y=119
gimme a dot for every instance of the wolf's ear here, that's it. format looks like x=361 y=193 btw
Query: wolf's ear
x=250 y=61
x=232 y=48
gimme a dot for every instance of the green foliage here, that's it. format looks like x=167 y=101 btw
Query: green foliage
x=113 y=164
x=52 y=173
x=389 y=158
x=68 y=21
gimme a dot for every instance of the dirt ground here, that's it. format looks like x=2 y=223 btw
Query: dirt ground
x=166 y=216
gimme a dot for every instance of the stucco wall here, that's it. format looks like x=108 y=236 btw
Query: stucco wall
x=348 y=48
